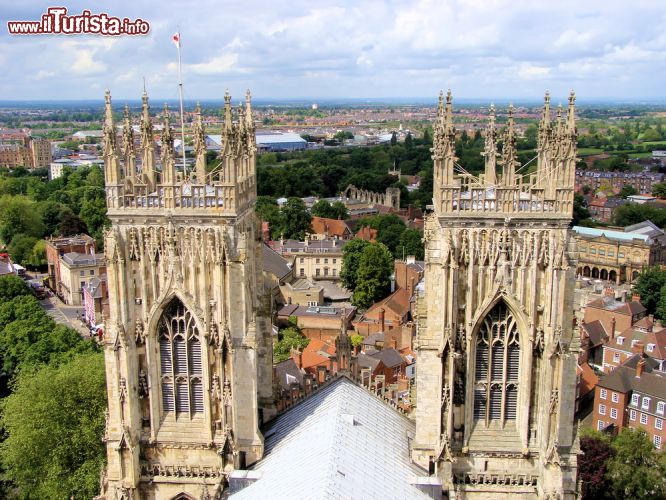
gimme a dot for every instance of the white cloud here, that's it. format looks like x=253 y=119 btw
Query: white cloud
x=44 y=74
x=496 y=48
x=84 y=64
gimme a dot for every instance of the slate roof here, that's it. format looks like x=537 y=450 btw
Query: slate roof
x=596 y=332
x=629 y=308
x=287 y=372
x=83 y=259
x=390 y=357
x=657 y=341
x=274 y=263
x=342 y=442
x=623 y=378
x=366 y=361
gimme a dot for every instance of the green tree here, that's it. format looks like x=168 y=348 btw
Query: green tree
x=409 y=141
x=268 y=211
x=71 y=224
x=659 y=190
x=427 y=137
x=18 y=216
x=356 y=340
x=339 y=211
x=636 y=470
x=11 y=286
x=59 y=409
x=633 y=213
x=649 y=285
x=660 y=312
x=288 y=339
x=394 y=139
x=373 y=276
x=93 y=213
x=579 y=211
x=38 y=254
x=322 y=209
x=296 y=219
x=29 y=337
x=352 y=253
x=21 y=247
x=627 y=191
x=51 y=214
x=410 y=244
x=593 y=464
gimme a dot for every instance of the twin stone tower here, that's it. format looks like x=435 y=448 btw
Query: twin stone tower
x=188 y=343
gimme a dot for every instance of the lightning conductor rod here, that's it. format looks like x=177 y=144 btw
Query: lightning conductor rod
x=182 y=116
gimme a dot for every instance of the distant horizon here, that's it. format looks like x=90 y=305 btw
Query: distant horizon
x=333 y=101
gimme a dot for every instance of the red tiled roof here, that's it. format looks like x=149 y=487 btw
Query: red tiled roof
x=330 y=227
x=314 y=354
x=366 y=233
x=588 y=379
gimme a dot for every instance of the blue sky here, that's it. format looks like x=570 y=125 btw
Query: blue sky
x=348 y=49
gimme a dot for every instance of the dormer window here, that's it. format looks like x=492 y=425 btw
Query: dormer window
x=650 y=348
x=620 y=340
x=645 y=404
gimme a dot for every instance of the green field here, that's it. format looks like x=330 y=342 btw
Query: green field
x=589 y=151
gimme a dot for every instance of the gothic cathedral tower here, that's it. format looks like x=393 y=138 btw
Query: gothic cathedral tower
x=496 y=354
x=187 y=344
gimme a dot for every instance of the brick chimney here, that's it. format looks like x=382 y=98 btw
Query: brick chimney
x=635 y=298
x=382 y=312
x=637 y=348
x=640 y=366
x=612 y=332
x=412 y=285
x=297 y=356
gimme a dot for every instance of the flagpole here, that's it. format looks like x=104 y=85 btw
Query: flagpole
x=182 y=117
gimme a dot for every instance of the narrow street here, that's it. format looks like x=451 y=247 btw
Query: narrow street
x=63 y=314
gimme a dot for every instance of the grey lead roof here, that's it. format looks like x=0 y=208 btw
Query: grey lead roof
x=342 y=442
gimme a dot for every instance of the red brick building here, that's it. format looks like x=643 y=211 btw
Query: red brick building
x=633 y=395
x=57 y=247
x=621 y=346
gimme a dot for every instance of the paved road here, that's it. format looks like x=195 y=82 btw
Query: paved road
x=65 y=315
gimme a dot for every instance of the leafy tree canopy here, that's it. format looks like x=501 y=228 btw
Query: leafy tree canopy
x=289 y=338
x=12 y=286
x=649 y=285
x=54 y=423
x=373 y=276
x=636 y=470
x=352 y=253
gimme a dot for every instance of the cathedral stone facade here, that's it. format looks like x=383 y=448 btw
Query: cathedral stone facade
x=496 y=353
x=187 y=344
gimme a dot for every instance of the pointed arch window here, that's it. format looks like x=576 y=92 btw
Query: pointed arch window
x=180 y=361
x=497 y=367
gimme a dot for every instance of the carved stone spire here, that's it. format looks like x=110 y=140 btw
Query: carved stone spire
x=545 y=162
x=129 y=154
x=571 y=117
x=509 y=154
x=444 y=144
x=147 y=143
x=199 y=146
x=110 y=152
x=490 y=150
x=167 y=153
